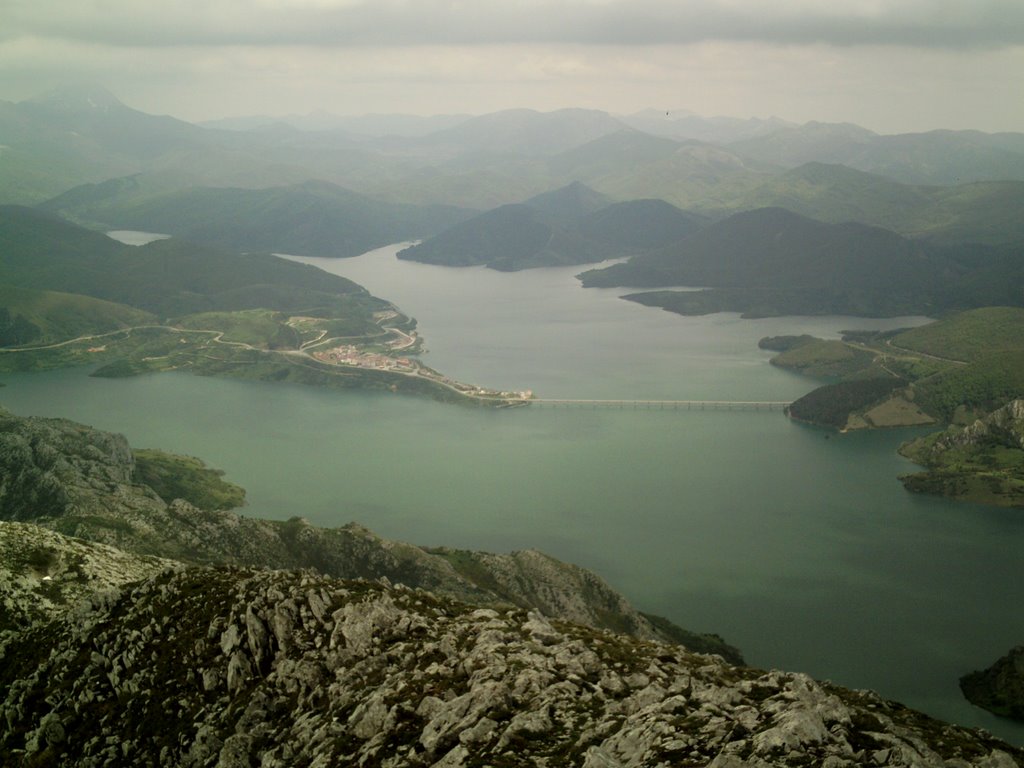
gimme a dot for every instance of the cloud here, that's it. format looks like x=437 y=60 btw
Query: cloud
x=889 y=64
x=349 y=23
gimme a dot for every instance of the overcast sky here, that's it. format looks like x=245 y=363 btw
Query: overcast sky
x=890 y=65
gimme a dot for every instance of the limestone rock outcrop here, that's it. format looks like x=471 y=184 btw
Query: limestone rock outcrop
x=238 y=667
x=43 y=573
x=1004 y=426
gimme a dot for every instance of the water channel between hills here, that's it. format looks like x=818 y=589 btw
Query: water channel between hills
x=799 y=546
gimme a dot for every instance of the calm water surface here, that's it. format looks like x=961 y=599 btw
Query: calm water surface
x=800 y=547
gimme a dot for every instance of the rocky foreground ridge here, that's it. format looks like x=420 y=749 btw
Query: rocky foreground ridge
x=112 y=658
x=83 y=482
x=232 y=667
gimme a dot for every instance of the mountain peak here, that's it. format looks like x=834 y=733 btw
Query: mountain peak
x=569 y=202
x=78 y=97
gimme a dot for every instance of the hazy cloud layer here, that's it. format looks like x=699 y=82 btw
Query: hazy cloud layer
x=892 y=65
x=917 y=23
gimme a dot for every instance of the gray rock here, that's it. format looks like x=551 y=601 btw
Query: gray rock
x=51 y=729
x=230 y=639
x=390 y=676
x=236 y=752
x=258 y=638
x=239 y=671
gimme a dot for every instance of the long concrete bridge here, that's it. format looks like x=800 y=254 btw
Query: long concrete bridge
x=670 y=405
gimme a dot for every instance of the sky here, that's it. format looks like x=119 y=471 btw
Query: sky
x=889 y=65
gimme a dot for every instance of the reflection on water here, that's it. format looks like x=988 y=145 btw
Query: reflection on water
x=134 y=237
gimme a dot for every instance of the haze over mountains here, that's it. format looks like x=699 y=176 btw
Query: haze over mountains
x=476 y=162
x=519 y=189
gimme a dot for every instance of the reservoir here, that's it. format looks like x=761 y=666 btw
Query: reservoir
x=797 y=545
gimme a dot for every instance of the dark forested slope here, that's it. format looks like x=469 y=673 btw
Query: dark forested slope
x=166 y=277
x=771 y=262
x=571 y=225
x=313 y=218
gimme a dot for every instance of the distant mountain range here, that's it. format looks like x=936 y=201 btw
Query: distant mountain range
x=520 y=188
x=74 y=137
x=377 y=125
x=935 y=157
x=682 y=125
x=981 y=212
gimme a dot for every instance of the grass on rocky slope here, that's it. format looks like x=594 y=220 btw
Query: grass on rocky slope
x=184 y=477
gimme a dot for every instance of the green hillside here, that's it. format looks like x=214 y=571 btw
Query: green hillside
x=85 y=135
x=168 y=277
x=835 y=193
x=56 y=316
x=508 y=238
x=539 y=232
x=982 y=462
x=773 y=261
x=962 y=393
x=981 y=212
x=966 y=370
x=631 y=165
x=567 y=226
x=945 y=157
x=790 y=146
x=312 y=218
x=936 y=157
x=572 y=201
x=968 y=336
x=257 y=317
x=640 y=225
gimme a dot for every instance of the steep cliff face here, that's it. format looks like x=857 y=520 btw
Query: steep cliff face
x=1000 y=688
x=238 y=667
x=1003 y=427
x=81 y=482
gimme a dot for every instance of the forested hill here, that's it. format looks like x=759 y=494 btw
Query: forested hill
x=166 y=277
x=980 y=212
x=314 y=218
x=771 y=261
x=571 y=225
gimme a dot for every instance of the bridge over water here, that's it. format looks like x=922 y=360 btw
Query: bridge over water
x=670 y=405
